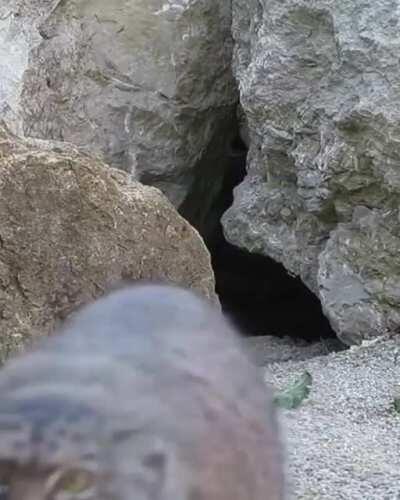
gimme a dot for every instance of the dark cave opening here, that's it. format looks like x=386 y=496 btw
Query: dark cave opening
x=261 y=298
x=256 y=292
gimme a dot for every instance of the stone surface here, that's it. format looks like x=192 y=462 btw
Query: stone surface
x=71 y=227
x=146 y=82
x=319 y=88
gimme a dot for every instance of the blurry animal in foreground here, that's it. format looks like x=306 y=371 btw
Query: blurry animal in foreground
x=145 y=394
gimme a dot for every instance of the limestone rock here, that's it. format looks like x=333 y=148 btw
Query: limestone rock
x=319 y=88
x=148 y=82
x=359 y=275
x=72 y=227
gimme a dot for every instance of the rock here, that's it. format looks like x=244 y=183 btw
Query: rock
x=71 y=227
x=319 y=88
x=359 y=276
x=148 y=83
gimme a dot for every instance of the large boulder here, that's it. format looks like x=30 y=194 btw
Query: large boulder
x=71 y=227
x=319 y=89
x=146 y=82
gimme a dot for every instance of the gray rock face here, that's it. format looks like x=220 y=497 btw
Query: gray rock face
x=319 y=88
x=147 y=82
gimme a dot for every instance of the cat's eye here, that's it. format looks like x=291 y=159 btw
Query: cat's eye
x=71 y=484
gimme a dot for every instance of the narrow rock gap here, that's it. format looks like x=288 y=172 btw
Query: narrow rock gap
x=255 y=291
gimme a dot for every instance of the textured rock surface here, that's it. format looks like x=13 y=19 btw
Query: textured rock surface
x=319 y=87
x=70 y=227
x=146 y=82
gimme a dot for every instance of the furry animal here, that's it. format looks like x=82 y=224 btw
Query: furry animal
x=146 y=394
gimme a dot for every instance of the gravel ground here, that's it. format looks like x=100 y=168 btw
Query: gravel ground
x=344 y=441
x=269 y=349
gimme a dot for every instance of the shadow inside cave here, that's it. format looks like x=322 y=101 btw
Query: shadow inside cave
x=256 y=292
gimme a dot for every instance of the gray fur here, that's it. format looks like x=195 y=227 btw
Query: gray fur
x=150 y=386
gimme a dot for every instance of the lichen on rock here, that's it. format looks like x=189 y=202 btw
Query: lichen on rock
x=71 y=227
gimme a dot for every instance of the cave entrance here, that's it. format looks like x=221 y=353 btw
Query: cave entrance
x=261 y=298
x=256 y=292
